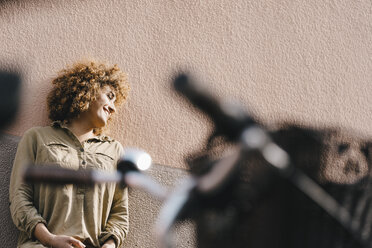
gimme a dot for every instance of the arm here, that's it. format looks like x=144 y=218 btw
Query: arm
x=50 y=240
x=24 y=214
x=118 y=223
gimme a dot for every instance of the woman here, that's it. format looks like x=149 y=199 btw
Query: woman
x=80 y=105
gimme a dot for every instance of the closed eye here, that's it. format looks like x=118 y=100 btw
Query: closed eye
x=111 y=95
x=365 y=150
x=342 y=148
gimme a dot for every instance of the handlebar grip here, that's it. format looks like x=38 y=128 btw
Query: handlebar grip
x=57 y=175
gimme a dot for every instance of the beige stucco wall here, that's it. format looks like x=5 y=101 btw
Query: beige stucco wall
x=308 y=61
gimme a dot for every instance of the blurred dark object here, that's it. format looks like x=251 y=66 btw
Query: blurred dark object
x=260 y=208
x=10 y=84
x=321 y=196
x=54 y=174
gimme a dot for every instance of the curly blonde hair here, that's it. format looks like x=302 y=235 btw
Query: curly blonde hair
x=76 y=87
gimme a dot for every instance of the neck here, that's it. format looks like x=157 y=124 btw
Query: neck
x=81 y=129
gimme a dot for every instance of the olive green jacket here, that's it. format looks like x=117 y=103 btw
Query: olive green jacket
x=90 y=214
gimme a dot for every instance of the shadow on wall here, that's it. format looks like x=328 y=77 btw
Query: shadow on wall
x=8 y=146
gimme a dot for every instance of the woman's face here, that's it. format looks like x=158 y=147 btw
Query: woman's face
x=102 y=108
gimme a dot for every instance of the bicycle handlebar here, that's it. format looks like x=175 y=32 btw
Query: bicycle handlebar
x=127 y=173
x=56 y=175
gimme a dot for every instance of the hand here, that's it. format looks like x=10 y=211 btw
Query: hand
x=110 y=243
x=56 y=241
x=62 y=241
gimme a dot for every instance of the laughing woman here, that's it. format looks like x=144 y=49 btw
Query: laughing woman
x=81 y=103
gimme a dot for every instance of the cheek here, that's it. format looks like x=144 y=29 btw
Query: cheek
x=94 y=104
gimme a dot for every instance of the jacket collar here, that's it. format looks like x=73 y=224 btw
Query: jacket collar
x=103 y=138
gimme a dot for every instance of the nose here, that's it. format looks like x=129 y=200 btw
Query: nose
x=355 y=154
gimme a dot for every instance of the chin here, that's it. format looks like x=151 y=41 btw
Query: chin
x=100 y=124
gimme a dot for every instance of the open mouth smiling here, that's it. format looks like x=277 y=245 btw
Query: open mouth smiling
x=107 y=111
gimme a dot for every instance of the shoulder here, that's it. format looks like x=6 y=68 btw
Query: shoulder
x=39 y=134
x=117 y=146
x=119 y=150
x=38 y=130
x=110 y=146
x=33 y=132
x=31 y=138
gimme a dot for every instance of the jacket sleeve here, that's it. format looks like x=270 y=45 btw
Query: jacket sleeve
x=117 y=226
x=24 y=214
x=118 y=223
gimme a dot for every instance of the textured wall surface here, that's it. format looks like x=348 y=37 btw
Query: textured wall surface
x=285 y=60
x=307 y=61
x=143 y=208
x=9 y=233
